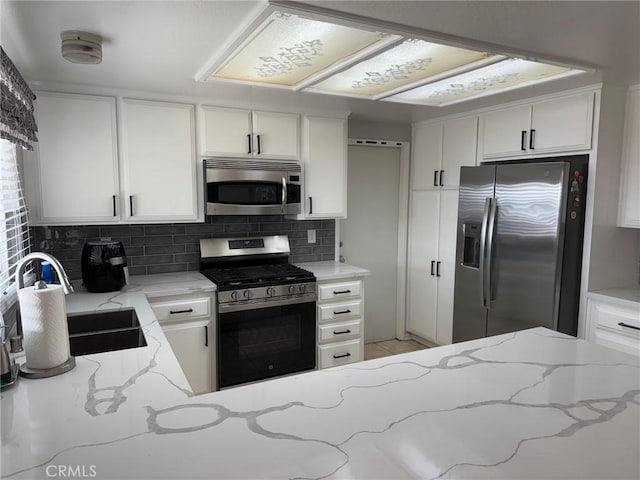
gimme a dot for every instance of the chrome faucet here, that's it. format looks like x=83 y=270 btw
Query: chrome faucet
x=57 y=266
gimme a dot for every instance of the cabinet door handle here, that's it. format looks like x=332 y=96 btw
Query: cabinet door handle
x=131 y=205
x=532 y=137
x=310 y=205
x=206 y=336
x=622 y=324
x=441 y=182
x=438 y=269
x=341 y=312
x=249 y=142
x=174 y=312
x=433 y=264
x=114 y=205
x=341 y=332
x=259 y=152
x=435 y=178
x=341 y=292
x=523 y=141
x=343 y=355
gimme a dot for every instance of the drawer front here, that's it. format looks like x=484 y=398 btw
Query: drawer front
x=182 y=309
x=341 y=353
x=337 y=332
x=339 y=311
x=617 y=341
x=621 y=320
x=337 y=291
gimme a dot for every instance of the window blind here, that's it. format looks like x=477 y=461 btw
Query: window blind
x=14 y=224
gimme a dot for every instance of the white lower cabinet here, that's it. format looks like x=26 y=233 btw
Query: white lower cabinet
x=615 y=324
x=191 y=344
x=340 y=322
x=431 y=265
x=188 y=323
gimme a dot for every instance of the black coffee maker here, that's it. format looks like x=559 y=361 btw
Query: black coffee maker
x=103 y=266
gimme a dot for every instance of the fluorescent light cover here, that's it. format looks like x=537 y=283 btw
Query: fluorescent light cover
x=411 y=61
x=498 y=77
x=288 y=48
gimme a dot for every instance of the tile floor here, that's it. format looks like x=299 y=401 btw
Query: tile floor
x=390 y=347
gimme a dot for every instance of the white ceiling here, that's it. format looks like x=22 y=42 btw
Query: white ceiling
x=158 y=47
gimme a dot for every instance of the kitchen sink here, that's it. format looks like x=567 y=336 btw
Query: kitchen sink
x=104 y=332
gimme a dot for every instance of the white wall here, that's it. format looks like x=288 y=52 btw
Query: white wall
x=615 y=251
x=365 y=129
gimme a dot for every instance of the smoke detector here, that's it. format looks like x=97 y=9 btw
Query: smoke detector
x=81 y=47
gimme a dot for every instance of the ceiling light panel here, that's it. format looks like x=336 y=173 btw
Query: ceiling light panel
x=410 y=62
x=287 y=49
x=498 y=77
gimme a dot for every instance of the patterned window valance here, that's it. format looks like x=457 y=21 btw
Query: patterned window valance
x=17 y=122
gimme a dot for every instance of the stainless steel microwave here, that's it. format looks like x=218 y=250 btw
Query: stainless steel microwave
x=247 y=187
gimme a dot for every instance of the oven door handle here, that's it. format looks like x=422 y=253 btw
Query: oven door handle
x=260 y=304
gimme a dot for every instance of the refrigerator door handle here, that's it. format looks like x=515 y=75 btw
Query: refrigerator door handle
x=491 y=226
x=483 y=247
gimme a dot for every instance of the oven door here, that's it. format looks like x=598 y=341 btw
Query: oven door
x=252 y=192
x=267 y=339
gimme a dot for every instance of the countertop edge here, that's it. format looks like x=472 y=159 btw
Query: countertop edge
x=331 y=270
x=625 y=295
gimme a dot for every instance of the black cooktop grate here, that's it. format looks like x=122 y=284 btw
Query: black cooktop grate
x=257 y=275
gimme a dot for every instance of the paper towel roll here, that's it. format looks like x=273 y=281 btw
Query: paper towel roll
x=44 y=326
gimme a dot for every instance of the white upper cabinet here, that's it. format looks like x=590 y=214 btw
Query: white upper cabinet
x=440 y=149
x=159 y=161
x=504 y=132
x=276 y=135
x=561 y=124
x=231 y=132
x=325 y=168
x=426 y=154
x=459 y=143
x=629 y=206
x=225 y=132
x=72 y=176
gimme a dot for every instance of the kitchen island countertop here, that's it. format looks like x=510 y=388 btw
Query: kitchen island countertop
x=532 y=404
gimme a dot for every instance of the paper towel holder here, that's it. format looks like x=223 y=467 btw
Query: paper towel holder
x=70 y=363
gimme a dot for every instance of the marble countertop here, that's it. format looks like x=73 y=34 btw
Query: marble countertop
x=629 y=295
x=532 y=404
x=330 y=270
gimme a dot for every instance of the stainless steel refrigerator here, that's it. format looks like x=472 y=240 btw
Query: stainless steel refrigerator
x=519 y=247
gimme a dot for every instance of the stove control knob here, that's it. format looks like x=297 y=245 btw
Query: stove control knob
x=247 y=294
x=234 y=296
x=302 y=287
x=292 y=289
x=271 y=291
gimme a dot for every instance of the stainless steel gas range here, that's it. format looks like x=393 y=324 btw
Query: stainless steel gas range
x=266 y=308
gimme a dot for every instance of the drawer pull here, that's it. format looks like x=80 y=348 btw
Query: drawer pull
x=173 y=312
x=341 y=332
x=342 y=312
x=341 y=292
x=622 y=324
x=344 y=355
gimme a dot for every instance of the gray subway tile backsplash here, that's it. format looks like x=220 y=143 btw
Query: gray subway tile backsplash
x=175 y=247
